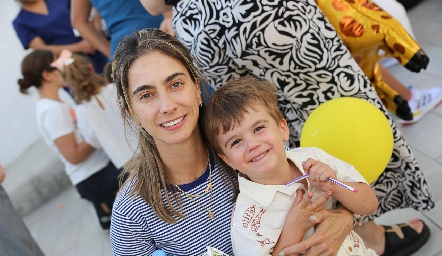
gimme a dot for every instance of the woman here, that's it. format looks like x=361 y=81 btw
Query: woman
x=46 y=25
x=291 y=44
x=178 y=196
x=89 y=169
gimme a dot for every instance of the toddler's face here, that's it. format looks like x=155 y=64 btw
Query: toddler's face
x=255 y=147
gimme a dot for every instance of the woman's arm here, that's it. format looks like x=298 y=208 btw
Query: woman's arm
x=80 y=10
x=74 y=153
x=82 y=47
x=334 y=226
x=156 y=7
x=298 y=220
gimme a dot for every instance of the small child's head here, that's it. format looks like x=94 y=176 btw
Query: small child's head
x=242 y=114
x=32 y=68
x=79 y=75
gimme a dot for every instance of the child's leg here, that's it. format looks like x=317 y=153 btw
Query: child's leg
x=104 y=216
x=101 y=189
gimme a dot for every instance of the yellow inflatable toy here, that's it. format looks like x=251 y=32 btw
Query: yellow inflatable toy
x=371 y=34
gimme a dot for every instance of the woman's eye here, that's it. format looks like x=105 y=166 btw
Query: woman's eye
x=145 y=96
x=176 y=84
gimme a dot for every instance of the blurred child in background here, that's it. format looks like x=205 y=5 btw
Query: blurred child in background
x=89 y=169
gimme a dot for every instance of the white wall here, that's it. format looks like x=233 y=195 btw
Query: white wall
x=18 y=127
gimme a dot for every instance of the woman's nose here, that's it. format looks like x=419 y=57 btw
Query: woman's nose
x=167 y=103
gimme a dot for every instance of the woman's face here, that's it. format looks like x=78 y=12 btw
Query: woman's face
x=164 y=99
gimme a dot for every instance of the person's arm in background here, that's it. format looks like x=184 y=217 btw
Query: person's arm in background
x=80 y=11
x=156 y=7
x=73 y=152
x=82 y=47
x=96 y=20
x=2 y=174
x=29 y=39
x=166 y=24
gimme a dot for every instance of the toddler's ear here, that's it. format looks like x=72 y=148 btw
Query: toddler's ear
x=226 y=160
x=284 y=129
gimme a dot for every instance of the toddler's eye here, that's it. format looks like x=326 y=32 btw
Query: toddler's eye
x=258 y=128
x=235 y=142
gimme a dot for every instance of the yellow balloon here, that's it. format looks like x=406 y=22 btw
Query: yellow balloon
x=352 y=130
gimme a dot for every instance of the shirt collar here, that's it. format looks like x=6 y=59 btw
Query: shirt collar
x=264 y=194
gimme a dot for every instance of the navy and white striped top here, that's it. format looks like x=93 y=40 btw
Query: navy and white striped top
x=136 y=230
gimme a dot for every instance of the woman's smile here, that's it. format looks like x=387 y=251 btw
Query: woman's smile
x=174 y=123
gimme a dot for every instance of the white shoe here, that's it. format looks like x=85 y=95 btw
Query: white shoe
x=422 y=101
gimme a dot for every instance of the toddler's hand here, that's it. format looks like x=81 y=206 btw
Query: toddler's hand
x=319 y=173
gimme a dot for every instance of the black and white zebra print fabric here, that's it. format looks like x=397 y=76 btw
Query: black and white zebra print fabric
x=291 y=44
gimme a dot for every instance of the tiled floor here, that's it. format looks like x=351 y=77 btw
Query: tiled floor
x=67 y=225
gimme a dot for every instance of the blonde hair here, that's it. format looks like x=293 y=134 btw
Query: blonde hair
x=82 y=79
x=227 y=106
x=146 y=169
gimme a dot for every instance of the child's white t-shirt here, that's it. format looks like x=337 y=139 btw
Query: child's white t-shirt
x=56 y=119
x=103 y=127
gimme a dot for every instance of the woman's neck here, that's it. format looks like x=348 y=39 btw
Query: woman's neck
x=185 y=161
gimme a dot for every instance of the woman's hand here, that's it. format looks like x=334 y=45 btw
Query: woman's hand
x=334 y=226
x=302 y=209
